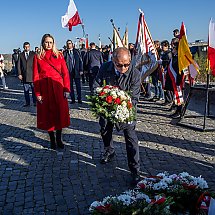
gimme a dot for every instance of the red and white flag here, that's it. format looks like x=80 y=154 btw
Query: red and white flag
x=211 y=46
x=145 y=50
x=71 y=18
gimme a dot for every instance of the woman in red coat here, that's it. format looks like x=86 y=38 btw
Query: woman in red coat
x=52 y=87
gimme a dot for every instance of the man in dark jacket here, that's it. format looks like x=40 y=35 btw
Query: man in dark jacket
x=93 y=61
x=120 y=72
x=75 y=66
x=25 y=72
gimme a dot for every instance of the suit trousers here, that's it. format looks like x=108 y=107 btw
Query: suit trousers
x=27 y=87
x=131 y=141
x=78 y=88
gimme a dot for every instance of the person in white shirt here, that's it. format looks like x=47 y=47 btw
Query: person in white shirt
x=2 y=72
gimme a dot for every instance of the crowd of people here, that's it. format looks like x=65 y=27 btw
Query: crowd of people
x=51 y=74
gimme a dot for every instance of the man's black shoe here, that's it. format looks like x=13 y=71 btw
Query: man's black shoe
x=106 y=157
x=79 y=101
x=176 y=115
x=135 y=178
x=26 y=105
x=72 y=102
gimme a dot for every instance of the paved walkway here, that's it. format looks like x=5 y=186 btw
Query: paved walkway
x=37 y=180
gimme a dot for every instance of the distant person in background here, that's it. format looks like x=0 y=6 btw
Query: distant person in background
x=15 y=58
x=2 y=72
x=25 y=72
x=74 y=63
x=83 y=51
x=37 y=50
x=52 y=87
x=92 y=62
x=176 y=33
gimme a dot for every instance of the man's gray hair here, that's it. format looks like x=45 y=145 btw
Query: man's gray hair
x=118 y=51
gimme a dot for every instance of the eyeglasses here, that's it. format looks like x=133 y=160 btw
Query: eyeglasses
x=121 y=65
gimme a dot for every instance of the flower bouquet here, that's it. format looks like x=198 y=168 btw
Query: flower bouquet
x=132 y=202
x=184 y=188
x=113 y=104
x=162 y=194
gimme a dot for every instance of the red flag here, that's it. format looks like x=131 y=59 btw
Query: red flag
x=71 y=18
x=211 y=46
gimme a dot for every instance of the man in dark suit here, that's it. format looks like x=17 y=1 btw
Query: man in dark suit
x=120 y=72
x=25 y=72
x=75 y=66
x=92 y=62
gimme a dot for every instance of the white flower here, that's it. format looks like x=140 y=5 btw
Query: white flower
x=126 y=199
x=201 y=183
x=99 y=90
x=173 y=176
x=167 y=180
x=184 y=174
x=160 y=186
x=140 y=196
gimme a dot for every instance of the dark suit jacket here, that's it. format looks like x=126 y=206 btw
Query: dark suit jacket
x=78 y=67
x=25 y=67
x=129 y=81
x=93 y=61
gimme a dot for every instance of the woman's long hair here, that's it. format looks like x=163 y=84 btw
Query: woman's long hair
x=42 y=52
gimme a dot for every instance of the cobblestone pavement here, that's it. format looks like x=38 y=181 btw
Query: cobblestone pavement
x=37 y=180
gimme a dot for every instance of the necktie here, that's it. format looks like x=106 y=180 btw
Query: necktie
x=26 y=55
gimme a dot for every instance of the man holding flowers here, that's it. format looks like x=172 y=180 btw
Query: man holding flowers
x=122 y=74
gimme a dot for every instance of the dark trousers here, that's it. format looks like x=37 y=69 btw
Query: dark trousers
x=147 y=87
x=92 y=76
x=27 y=87
x=168 y=96
x=78 y=88
x=131 y=141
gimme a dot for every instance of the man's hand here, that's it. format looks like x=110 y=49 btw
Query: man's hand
x=20 y=77
x=66 y=94
x=81 y=72
x=40 y=99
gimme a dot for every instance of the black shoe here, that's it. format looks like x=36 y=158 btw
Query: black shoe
x=176 y=115
x=79 y=101
x=72 y=102
x=60 y=144
x=26 y=105
x=135 y=178
x=106 y=157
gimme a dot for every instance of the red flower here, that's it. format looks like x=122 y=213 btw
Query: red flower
x=129 y=104
x=142 y=186
x=117 y=101
x=104 y=209
x=102 y=93
x=189 y=186
x=106 y=87
x=109 y=99
x=159 y=201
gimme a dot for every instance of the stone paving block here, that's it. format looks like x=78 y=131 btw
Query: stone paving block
x=44 y=181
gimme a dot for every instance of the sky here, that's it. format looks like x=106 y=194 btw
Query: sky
x=29 y=20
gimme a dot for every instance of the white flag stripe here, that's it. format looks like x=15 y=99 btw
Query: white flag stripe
x=71 y=11
x=212 y=34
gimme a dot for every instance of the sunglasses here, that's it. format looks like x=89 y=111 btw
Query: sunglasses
x=121 y=65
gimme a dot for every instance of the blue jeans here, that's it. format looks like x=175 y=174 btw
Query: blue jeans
x=158 y=87
x=27 y=87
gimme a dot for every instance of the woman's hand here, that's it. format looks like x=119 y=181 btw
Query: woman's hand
x=40 y=99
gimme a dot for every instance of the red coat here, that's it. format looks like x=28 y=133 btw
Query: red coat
x=53 y=113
